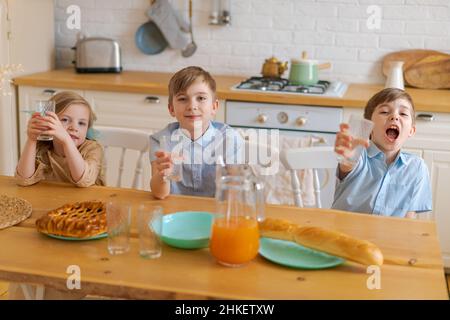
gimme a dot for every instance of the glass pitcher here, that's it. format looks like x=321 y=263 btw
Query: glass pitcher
x=239 y=205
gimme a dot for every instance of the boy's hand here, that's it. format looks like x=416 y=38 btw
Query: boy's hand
x=164 y=164
x=345 y=143
x=36 y=126
x=56 y=129
x=345 y=146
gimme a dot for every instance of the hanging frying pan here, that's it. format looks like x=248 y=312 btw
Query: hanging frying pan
x=149 y=38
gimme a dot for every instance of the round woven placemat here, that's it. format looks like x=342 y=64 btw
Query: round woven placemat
x=13 y=210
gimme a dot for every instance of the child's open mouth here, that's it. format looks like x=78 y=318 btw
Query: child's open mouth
x=392 y=133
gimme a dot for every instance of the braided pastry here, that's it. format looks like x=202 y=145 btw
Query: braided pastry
x=78 y=220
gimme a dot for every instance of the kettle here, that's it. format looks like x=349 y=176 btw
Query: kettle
x=273 y=68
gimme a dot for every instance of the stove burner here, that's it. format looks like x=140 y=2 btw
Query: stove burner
x=282 y=85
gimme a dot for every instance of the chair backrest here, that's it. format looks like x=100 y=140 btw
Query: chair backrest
x=320 y=157
x=125 y=139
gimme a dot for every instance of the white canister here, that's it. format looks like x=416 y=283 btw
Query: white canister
x=395 y=76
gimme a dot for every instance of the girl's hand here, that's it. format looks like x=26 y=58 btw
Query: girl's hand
x=56 y=129
x=164 y=164
x=36 y=126
x=345 y=143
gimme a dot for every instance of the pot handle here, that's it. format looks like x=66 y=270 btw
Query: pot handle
x=322 y=66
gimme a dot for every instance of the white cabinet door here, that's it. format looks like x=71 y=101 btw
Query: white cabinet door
x=129 y=110
x=439 y=165
x=431 y=135
x=27 y=96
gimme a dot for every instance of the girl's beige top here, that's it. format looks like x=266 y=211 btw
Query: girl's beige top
x=52 y=167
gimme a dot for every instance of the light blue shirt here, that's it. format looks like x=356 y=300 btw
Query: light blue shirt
x=373 y=187
x=199 y=156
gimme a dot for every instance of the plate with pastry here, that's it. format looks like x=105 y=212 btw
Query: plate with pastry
x=291 y=254
x=76 y=221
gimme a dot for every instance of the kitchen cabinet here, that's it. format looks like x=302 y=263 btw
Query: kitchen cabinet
x=432 y=143
x=138 y=111
x=438 y=163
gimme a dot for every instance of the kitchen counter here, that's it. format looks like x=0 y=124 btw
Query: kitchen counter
x=156 y=83
x=412 y=270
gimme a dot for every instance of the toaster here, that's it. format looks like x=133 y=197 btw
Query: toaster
x=96 y=55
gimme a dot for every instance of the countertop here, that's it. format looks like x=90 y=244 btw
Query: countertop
x=412 y=270
x=156 y=83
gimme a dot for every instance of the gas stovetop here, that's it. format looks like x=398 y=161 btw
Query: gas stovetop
x=281 y=85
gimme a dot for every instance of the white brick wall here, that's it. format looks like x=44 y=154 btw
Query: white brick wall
x=330 y=30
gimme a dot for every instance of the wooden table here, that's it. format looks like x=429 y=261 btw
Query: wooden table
x=413 y=268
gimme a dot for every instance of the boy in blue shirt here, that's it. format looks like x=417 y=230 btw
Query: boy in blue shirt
x=194 y=137
x=385 y=180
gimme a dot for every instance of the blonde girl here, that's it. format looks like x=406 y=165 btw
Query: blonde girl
x=71 y=156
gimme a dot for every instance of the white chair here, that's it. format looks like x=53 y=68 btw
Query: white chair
x=125 y=139
x=320 y=157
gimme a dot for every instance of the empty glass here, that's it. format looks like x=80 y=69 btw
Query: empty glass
x=149 y=219
x=44 y=106
x=177 y=172
x=118 y=218
x=359 y=128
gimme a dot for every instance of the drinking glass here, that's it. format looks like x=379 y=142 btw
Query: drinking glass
x=177 y=172
x=149 y=219
x=118 y=218
x=359 y=128
x=44 y=106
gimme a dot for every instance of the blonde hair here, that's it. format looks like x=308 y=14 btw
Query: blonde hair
x=65 y=99
x=181 y=80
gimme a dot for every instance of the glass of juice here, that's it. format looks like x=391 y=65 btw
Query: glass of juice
x=235 y=235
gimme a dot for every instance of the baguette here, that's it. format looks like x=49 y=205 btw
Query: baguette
x=332 y=242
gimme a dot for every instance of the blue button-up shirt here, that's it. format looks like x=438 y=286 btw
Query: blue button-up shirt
x=374 y=187
x=199 y=156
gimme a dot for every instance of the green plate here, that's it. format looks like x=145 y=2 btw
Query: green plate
x=99 y=236
x=293 y=255
x=187 y=229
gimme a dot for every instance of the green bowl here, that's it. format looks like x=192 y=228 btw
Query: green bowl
x=187 y=229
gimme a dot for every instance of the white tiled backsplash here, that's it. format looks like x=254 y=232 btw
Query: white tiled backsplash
x=329 y=30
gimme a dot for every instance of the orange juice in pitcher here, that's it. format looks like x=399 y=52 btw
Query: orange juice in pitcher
x=235 y=235
x=235 y=241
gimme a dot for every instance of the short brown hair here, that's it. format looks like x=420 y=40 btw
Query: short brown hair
x=64 y=99
x=387 y=95
x=181 y=80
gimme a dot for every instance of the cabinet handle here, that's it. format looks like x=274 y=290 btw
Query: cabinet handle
x=49 y=92
x=152 y=99
x=425 y=117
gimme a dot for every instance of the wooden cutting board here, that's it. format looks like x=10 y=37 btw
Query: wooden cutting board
x=427 y=68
